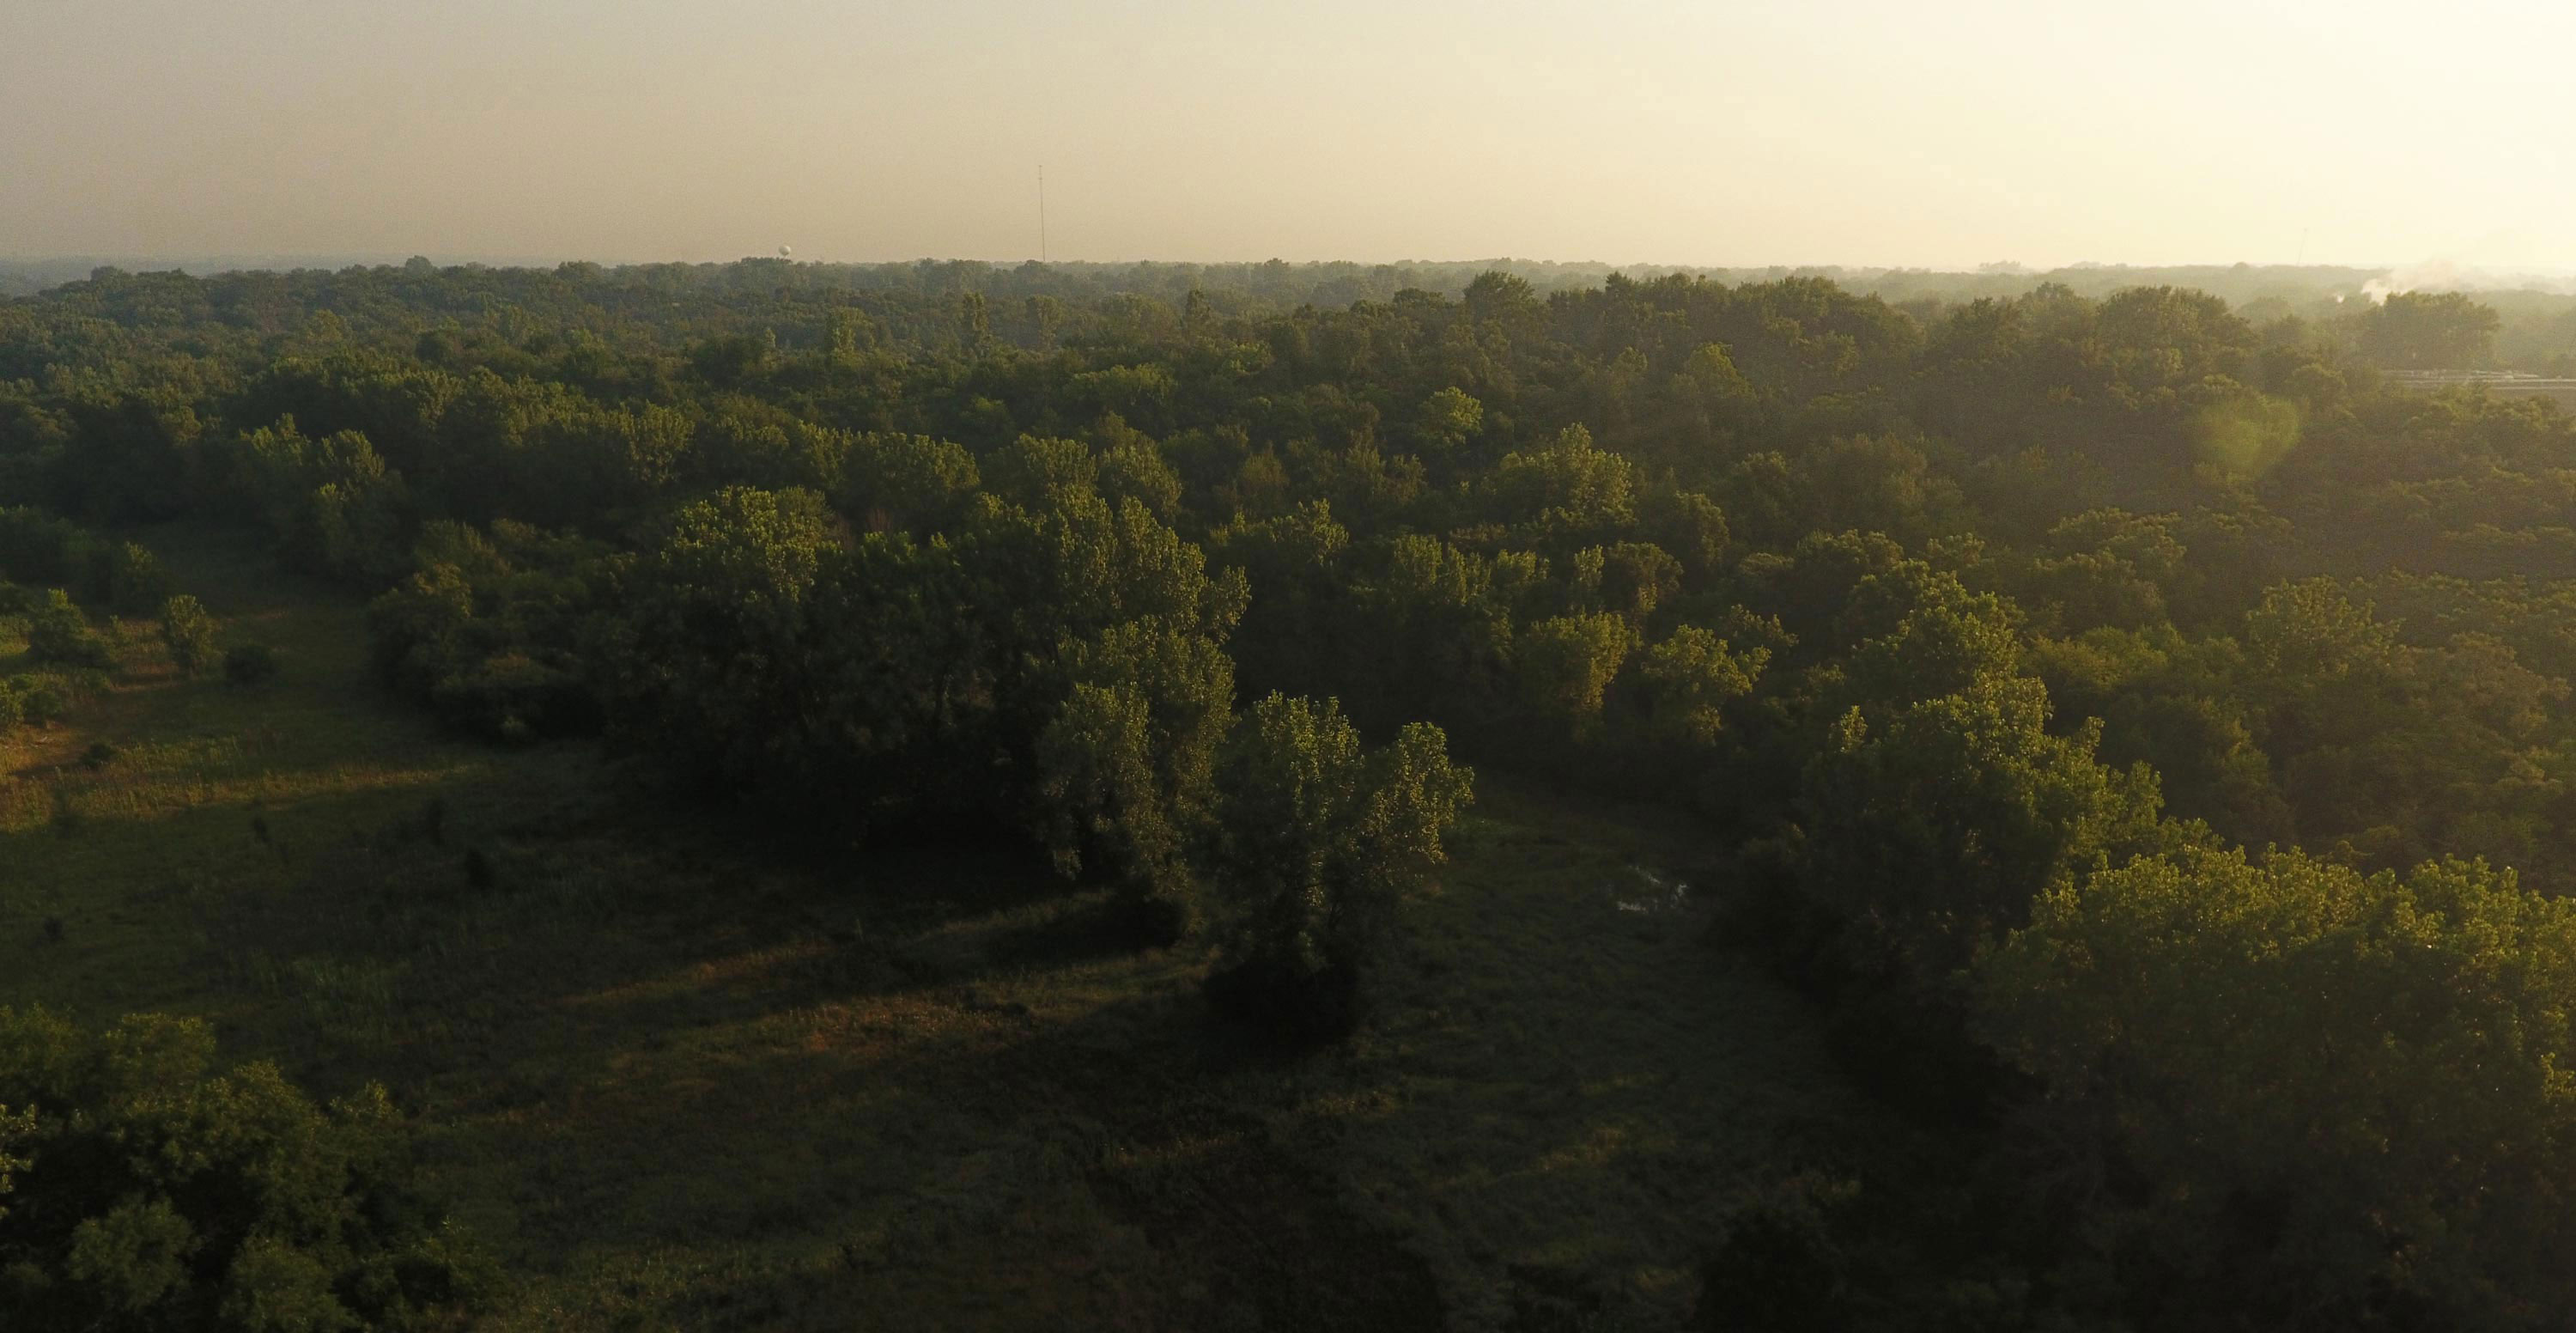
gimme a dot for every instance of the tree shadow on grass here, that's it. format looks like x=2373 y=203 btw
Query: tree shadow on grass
x=1097 y=1171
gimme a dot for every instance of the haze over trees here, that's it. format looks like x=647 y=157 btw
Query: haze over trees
x=2135 y=723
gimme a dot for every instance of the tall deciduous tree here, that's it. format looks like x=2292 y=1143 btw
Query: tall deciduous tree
x=1316 y=845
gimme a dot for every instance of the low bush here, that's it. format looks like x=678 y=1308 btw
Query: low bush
x=59 y=635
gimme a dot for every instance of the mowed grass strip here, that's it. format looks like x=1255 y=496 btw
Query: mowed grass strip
x=675 y=1080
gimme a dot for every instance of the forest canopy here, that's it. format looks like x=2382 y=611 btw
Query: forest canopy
x=2139 y=718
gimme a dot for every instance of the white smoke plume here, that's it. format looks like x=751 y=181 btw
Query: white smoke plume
x=2433 y=275
x=2444 y=275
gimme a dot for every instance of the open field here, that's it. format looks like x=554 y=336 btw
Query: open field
x=674 y=1080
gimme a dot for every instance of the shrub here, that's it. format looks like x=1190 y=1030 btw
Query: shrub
x=58 y=633
x=33 y=700
x=123 y=575
x=189 y=633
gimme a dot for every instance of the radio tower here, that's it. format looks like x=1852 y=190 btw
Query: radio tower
x=1042 y=250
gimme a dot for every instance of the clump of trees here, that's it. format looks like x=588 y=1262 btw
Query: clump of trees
x=2278 y=1090
x=486 y=630
x=39 y=549
x=2430 y=331
x=1317 y=843
x=68 y=657
x=1058 y=665
x=143 y=1187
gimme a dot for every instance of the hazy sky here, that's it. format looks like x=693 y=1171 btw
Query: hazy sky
x=1860 y=132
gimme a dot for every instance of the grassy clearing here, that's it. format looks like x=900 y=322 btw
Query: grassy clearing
x=675 y=1082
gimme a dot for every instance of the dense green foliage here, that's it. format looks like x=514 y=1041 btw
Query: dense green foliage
x=1986 y=628
x=142 y=1189
x=2339 y=1101
x=1319 y=844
